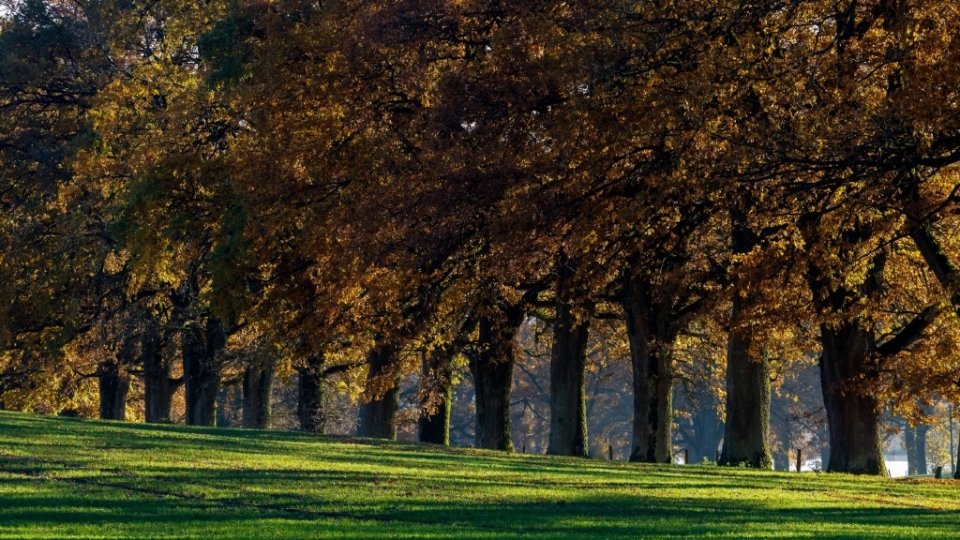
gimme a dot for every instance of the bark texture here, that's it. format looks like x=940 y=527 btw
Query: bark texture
x=257 y=385
x=651 y=330
x=436 y=393
x=113 y=389
x=201 y=370
x=491 y=365
x=746 y=436
x=381 y=397
x=568 y=362
x=852 y=415
x=746 y=432
x=568 y=405
x=158 y=385
x=310 y=411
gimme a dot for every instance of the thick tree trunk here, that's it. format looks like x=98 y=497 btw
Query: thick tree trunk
x=158 y=386
x=257 y=385
x=852 y=414
x=492 y=369
x=436 y=394
x=652 y=363
x=746 y=437
x=201 y=371
x=114 y=385
x=746 y=432
x=568 y=407
x=568 y=411
x=310 y=411
x=381 y=397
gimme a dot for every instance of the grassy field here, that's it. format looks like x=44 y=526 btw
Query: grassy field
x=68 y=478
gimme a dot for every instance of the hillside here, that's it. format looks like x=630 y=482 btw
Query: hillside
x=69 y=478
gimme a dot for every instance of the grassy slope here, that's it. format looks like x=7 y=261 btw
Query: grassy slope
x=65 y=478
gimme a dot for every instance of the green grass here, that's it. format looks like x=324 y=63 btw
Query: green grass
x=68 y=478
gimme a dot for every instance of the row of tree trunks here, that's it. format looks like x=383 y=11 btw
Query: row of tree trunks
x=381 y=396
x=201 y=370
x=310 y=391
x=650 y=340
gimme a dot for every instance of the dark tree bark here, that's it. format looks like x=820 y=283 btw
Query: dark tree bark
x=650 y=330
x=114 y=386
x=850 y=362
x=568 y=409
x=747 y=429
x=201 y=371
x=436 y=393
x=852 y=414
x=310 y=411
x=956 y=474
x=746 y=436
x=381 y=397
x=257 y=384
x=491 y=365
x=158 y=386
x=568 y=362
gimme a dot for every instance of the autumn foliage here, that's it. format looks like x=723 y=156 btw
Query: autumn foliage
x=359 y=193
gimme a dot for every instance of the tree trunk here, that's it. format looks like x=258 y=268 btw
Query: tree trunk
x=852 y=415
x=921 y=448
x=910 y=445
x=708 y=432
x=746 y=432
x=436 y=394
x=492 y=369
x=568 y=362
x=158 y=386
x=201 y=371
x=650 y=356
x=114 y=385
x=257 y=384
x=310 y=411
x=381 y=397
x=956 y=473
x=746 y=437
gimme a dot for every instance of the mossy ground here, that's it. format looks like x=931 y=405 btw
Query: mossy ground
x=69 y=478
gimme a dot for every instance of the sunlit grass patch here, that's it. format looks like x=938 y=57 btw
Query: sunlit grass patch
x=68 y=478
